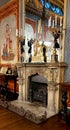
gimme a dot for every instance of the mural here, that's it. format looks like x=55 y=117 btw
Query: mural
x=8 y=39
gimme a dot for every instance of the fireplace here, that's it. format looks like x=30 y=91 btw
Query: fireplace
x=41 y=79
x=38 y=83
x=37 y=90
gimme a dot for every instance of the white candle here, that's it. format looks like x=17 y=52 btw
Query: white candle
x=60 y=21
x=49 y=22
x=26 y=40
x=16 y=32
x=53 y=24
x=56 y=20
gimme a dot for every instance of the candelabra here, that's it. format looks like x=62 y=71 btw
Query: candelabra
x=54 y=56
x=21 y=48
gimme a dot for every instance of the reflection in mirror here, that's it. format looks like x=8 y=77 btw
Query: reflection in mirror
x=43 y=22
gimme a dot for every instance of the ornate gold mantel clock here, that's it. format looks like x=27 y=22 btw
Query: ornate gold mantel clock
x=38 y=53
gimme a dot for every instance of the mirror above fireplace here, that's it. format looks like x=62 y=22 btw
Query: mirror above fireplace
x=42 y=20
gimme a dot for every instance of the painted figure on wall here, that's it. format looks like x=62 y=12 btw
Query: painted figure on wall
x=4 y=50
x=8 y=38
x=7 y=48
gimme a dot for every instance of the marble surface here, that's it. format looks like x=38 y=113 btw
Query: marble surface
x=32 y=111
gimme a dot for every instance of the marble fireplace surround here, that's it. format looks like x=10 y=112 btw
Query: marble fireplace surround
x=53 y=72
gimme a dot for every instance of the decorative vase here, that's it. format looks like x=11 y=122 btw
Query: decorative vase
x=54 y=56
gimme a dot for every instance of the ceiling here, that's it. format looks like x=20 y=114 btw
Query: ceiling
x=59 y=3
x=57 y=6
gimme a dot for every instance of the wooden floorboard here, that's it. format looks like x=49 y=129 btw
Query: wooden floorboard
x=12 y=121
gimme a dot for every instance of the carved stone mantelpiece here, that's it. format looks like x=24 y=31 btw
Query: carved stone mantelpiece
x=53 y=72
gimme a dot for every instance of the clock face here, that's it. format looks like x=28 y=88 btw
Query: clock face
x=29 y=33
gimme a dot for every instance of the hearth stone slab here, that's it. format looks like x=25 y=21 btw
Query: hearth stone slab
x=32 y=111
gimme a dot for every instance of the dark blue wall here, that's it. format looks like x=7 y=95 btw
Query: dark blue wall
x=67 y=44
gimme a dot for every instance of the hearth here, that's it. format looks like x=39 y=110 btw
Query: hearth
x=37 y=90
x=39 y=83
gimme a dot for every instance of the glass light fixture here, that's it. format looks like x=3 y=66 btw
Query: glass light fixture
x=51 y=7
x=47 y=5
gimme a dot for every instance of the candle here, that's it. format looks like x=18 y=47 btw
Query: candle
x=16 y=32
x=53 y=24
x=56 y=20
x=60 y=21
x=26 y=40
x=49 y=22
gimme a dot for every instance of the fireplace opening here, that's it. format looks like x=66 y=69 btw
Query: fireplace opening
x=37 y=91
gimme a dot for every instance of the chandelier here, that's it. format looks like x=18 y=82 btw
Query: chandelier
x=55 y=9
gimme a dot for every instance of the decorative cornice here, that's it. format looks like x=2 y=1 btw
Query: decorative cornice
x=11 y=7
x=50 y=65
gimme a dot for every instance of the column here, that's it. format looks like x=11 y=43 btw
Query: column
x=51 y=97
x=22 y=18
x=20 y=82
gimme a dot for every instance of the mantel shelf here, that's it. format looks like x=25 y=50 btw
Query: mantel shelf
x=53 y=65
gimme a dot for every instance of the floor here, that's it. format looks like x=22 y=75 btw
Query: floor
x=35 y=112
x=12 y=121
